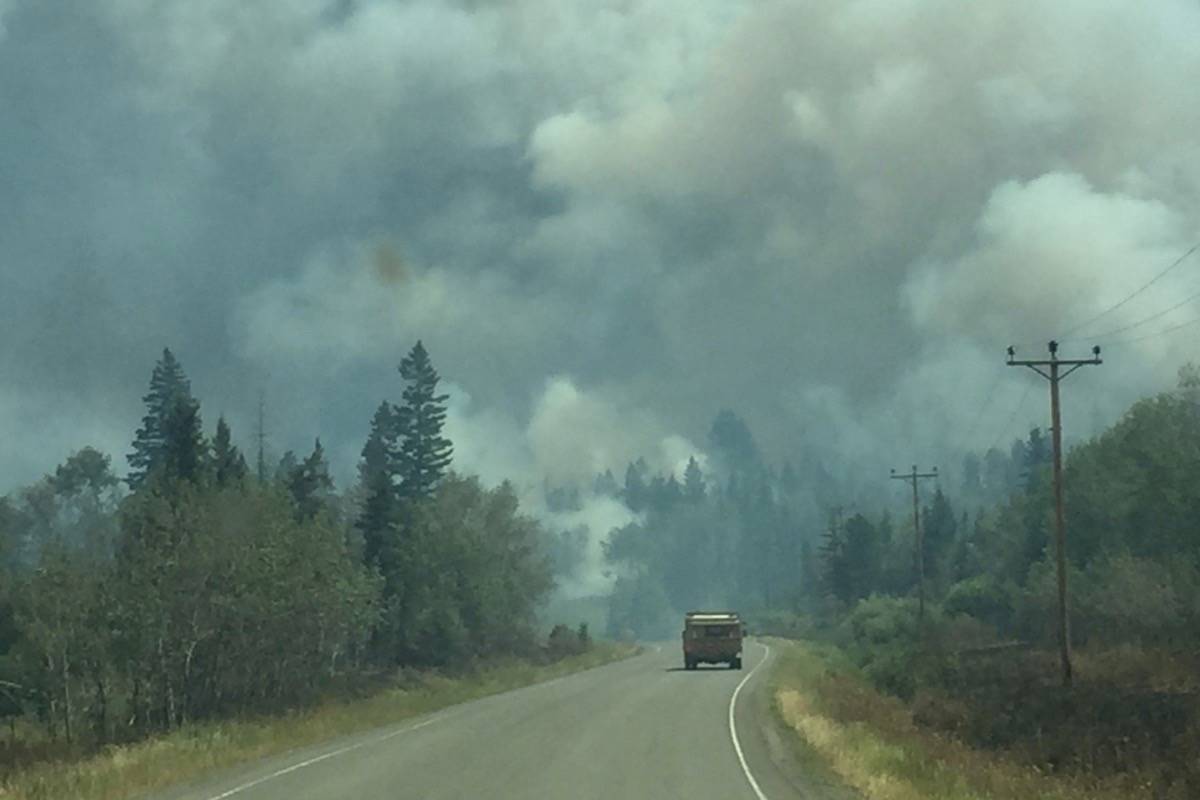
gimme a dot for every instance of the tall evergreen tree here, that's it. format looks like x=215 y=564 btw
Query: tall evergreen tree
x=310 y=485
x=377 y=483
x=693 y=482
x=732 y=441
x=423 y=454
x=663 y=493
x=864 y=557
x=169 y=439
x=229 y=465
x=606 y=485
x=939 y=528
x=636 y=493
x=286 y=466
x=185 y=452
x=1037 y=455
x=836 y=578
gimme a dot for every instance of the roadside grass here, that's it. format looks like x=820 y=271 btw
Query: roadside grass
x=870 y=741
x=185 y=755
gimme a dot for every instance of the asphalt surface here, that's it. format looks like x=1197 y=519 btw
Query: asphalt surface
x=639 y=728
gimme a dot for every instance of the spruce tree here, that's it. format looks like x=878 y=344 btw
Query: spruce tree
x=286 y=466
x=860 y=546
x=732 y=441
x=377 y=479
x=423 y=454
x=938 y=528
x=310 y=485
x=185 y=452
x=636 y=494
x=835 y=572
x=169 y=441
x=1037 y=455
x=693 y=482
x=229 y=465
x=606 y=485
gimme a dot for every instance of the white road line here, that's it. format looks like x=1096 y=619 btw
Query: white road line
x=737 y=745
x=324 y=756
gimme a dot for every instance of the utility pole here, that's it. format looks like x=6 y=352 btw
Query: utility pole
x=1055 y=374
x=913 y=477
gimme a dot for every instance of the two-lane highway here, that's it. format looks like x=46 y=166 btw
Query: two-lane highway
x=640 y=728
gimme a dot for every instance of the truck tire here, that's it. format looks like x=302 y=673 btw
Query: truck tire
x=736 y=663
x=689 y=664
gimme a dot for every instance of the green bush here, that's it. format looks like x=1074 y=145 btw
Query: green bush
x=1122 y=598
x=899 y=654
x=881 y=636
x=564 y=642
x=986 y=598
x=784 y=624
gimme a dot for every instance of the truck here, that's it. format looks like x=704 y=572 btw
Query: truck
x=712 y=637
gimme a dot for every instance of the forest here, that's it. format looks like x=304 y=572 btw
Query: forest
x=213 y=588
x=746 y=534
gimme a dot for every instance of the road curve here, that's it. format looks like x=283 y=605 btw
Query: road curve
x=640 y=728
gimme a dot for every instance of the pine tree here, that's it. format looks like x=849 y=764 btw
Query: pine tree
x=424 y=454
x=636 y=494
x=938 y=528
x=606 y=485
x=663 y=494
x=169 y=440
x=863 y=555
x=229 y=465
x=377 y=482
x=185 y=452
x=286 y=466
x=310 y=485
x=835 y=571
x=1036 y=456
x=693 y=482
x=731 y=439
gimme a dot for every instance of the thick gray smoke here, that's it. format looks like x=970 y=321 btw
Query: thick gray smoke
x=605 y=221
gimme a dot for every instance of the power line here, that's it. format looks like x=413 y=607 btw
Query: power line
x=1076 y=328
x=1008 y=425
x=1163 y=332
x=1141 y=289
x=987 y=402
x=1149 y=319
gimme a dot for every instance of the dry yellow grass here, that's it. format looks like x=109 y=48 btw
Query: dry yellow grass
x=871 y=743
x=132 y=770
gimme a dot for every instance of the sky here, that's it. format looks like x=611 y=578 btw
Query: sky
x=605 y=221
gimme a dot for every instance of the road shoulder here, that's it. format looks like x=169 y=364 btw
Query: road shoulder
x=783 y=763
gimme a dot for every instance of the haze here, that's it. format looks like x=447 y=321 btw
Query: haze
x=606 y=223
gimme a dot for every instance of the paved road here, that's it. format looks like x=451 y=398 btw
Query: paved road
x=640 y=728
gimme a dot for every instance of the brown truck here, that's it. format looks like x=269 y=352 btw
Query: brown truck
x=712 y=637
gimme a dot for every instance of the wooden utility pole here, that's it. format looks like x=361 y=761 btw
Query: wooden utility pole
x=1054 y=375
x=913 y=477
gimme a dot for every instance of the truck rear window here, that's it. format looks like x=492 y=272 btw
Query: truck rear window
x=720 y=630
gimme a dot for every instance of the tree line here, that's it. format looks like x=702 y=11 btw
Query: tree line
x=733 y=534
x=206 y=590
x=1133 y=493
x=798 y=539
